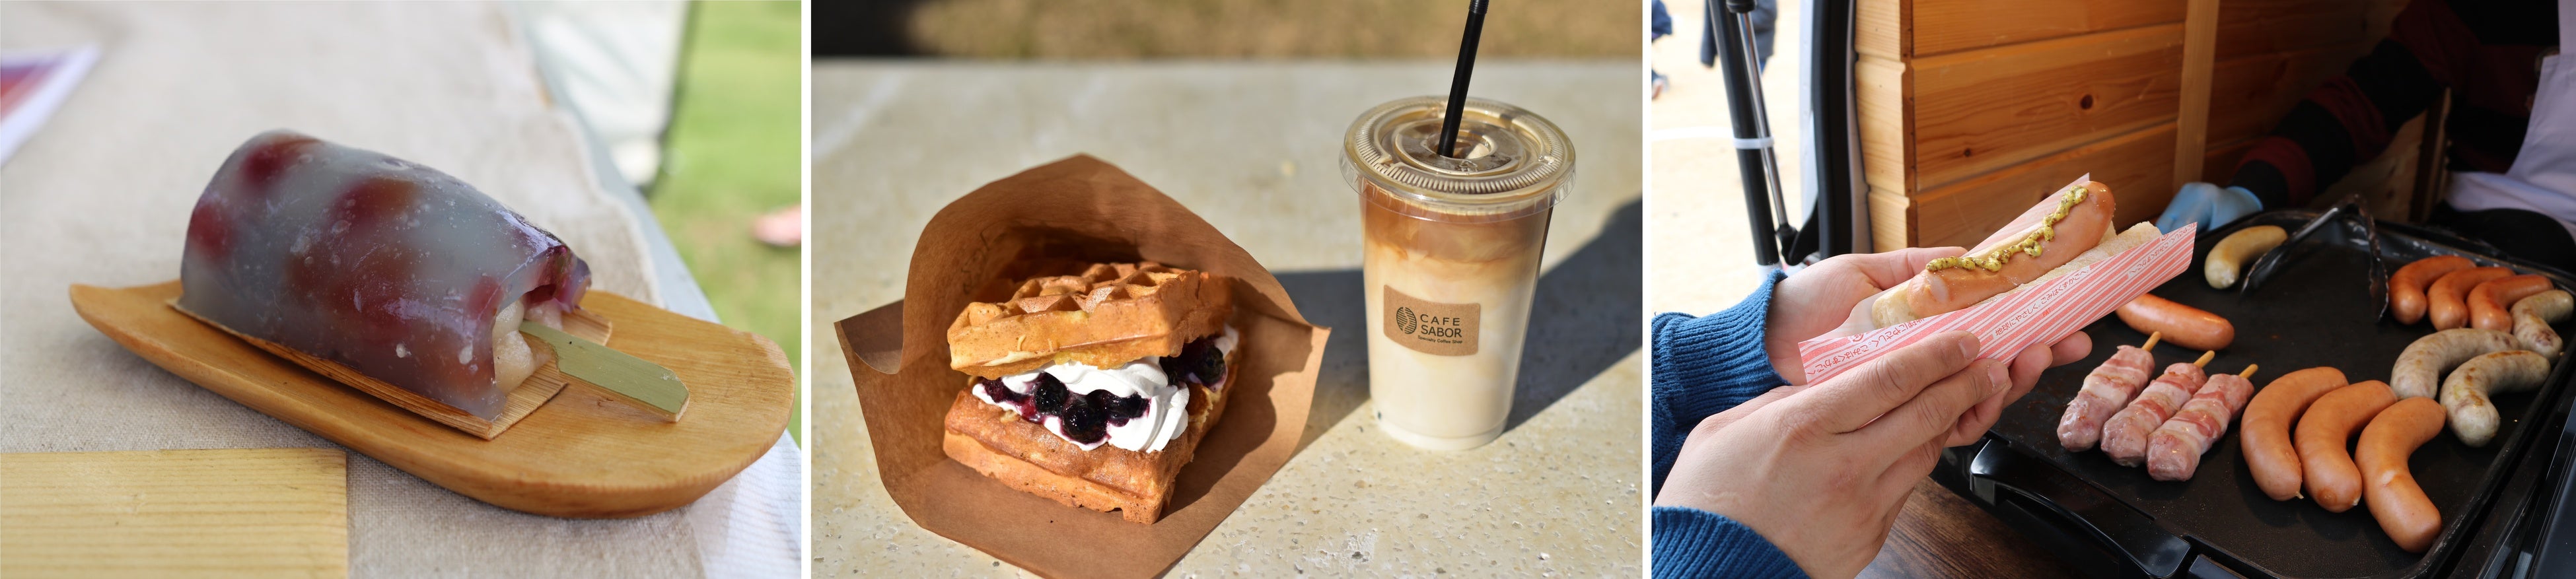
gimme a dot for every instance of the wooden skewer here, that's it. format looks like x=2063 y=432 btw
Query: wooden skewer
x=2152 y=339
x=2204 y=358
x=2248 y=374
x=635 y=381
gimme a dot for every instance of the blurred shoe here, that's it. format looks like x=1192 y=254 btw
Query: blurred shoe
x=1660 y=83
x=781 y=228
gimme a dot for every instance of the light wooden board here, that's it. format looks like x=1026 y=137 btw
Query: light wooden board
x=263 y=512
x=1882 y=28
x=1960 y=99
x=2252 y=27
x=1905 y=29
x=2191 y=124
x=1891 y=219
x=582 y=455
x=1984 y=110
x=2136 y=165
x=540 y=386
x=2249 y=95
x=2219 y=163
x=1886 y=133
x=2387 y=181
x=1946 y=26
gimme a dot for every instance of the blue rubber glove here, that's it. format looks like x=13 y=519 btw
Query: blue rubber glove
x=2207 y=205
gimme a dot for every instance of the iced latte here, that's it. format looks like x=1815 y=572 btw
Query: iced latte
x=1452 y=256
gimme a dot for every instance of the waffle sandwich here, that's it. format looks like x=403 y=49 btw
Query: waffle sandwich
x=1093 y=389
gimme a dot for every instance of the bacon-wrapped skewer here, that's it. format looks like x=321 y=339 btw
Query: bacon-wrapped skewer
x=2124 y=436
x=2173 y=452
x=2106 y=390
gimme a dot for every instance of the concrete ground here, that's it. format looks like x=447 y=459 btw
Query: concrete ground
x=1699 y=255
x=1270 y=29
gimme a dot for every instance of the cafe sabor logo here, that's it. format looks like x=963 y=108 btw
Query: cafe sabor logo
x=1404 y=319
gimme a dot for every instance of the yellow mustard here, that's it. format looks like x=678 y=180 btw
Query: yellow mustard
x=1994 y=259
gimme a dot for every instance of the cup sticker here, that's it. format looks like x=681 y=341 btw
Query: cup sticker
x=1430 y=327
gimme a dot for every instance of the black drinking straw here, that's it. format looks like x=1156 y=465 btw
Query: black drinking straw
x=1458 y=85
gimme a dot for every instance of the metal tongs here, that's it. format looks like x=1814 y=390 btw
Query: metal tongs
x=2350 y=208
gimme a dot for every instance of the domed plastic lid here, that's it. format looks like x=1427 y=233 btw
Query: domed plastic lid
x=1509 y=162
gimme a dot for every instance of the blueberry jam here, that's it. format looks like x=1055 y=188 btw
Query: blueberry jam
x=994 y=389
x=1086 y=417
x=1200 y=361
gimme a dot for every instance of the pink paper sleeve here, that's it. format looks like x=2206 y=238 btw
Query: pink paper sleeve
x=2039 y=313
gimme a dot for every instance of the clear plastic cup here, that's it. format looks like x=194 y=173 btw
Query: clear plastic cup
x=1452 y=257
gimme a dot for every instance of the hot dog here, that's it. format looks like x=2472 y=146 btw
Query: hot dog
x=2173 y=452
x=2447 y=300
x=2488 y=301
x=2124 y=436
x=2400 y=506
x=2050 y=234
x=2532 y=317
x=2332 y=478
x=2183 y=325
x=2266 y=439
x=2419 y=369
x=2406 y=287
x=2464 y=394
x=2105 y=391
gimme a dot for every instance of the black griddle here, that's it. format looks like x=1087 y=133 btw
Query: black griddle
x=2113 y=520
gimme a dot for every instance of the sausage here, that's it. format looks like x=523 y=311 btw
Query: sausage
x=2266 y=439
x=2447 y=300
x=2464 y=394
x=2419 y=369
x=2406 y=287
x=2107 y=389
x=2400 y=506
x=2487 y=302
x=2183 y=325
x=2333 y=480
x=1947 y=286
x=2227 y=259
x=2124 y=436
x=2532 y=317
x=2173 y=452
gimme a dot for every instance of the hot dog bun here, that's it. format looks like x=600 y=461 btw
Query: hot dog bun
x=2085 y=224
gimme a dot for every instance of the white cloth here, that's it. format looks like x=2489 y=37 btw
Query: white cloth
x=101 y=196
x=616 y=62
x=2543 y=176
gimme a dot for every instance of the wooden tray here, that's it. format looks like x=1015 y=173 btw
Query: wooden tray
x=539 y=387
x=582 y=455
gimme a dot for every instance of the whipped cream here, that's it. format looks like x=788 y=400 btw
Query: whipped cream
x=1167 y=404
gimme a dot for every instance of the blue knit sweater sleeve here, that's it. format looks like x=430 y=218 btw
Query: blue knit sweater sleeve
x=1703 y=366
x=1695 y=543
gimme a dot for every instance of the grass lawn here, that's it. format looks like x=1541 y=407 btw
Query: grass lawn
x=733 y=151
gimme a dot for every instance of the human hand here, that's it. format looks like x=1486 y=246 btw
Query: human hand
x=1821 y=471
x=1819 y=301
x=2207 y=205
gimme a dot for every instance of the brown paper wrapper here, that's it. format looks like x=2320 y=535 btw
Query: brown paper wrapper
x=1046 y=221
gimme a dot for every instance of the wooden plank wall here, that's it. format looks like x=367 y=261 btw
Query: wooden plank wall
x=1970 y=110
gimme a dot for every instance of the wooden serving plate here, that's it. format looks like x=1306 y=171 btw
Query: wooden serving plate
x=582 y=455
x=535 y=391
